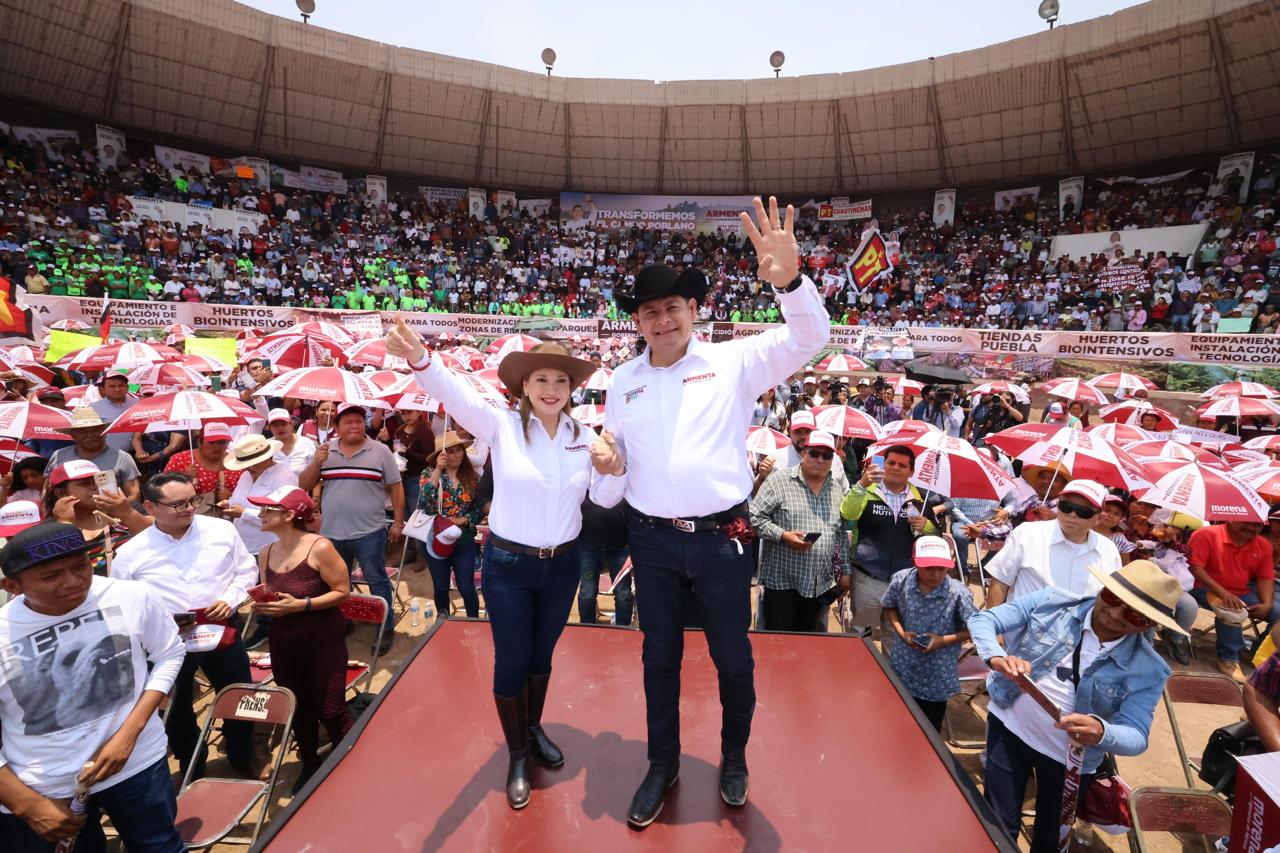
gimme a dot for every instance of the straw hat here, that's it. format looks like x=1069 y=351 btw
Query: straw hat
x=517 y=365
x=249 y=450
x=1144 y=586
x=84 y=417
x=449 y=439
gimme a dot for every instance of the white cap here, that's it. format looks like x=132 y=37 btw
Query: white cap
x=449 y=535
x=803 y=420
x=19 y=515
x=933 y=551
x=279 y=415
x=820 y=438
x=863 y=381
x=1056 y=409
x=216 y=432
x=1094 y=493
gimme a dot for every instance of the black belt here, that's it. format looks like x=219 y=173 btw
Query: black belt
x=528 y=550
x=863 y=571
x=698 y=524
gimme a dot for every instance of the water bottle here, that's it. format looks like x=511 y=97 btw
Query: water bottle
x=415 y=613
x=426 y=610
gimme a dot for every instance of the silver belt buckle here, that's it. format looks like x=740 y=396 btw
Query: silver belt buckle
x=684 y=524
x=546 y=553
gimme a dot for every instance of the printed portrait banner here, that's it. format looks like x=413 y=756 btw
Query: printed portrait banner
x=944 y=207
x=375 y=189
x=110 y=146
x=1172 y=240
x=504 y=199
x=175 y=159
x=1072 y=190
x=1232 y=165
x=838 y=210
x=217 y=219
x=701 y=214
x=476 y=201
x=1209 y=349
x=1007 y=199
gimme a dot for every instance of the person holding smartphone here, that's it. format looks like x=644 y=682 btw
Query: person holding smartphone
x=797 y=514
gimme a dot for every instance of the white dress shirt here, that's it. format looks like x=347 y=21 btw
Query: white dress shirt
x=683 y=428
x=208 y=563
x=1037 y=555
x=249 y=524
x=538 y=484
x=304 y=450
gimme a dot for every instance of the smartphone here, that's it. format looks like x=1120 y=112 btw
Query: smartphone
x=106 y=482
x=878 y=461
x=921 y=640
x=216 y=381
x=262 y=595
x=910 y=510
x=812 y=537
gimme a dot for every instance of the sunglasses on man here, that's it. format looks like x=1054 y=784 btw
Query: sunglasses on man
x=1131 y=616
x=825 y=455
x=1080 y=511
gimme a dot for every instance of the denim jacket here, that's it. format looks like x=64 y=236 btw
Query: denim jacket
x=1120 y=688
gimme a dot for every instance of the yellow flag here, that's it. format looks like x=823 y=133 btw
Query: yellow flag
x=61 y=343
x=223 y=349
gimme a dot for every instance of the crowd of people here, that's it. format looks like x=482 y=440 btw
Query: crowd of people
x=67 y=227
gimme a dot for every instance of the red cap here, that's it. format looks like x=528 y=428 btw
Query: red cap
x=290 y=498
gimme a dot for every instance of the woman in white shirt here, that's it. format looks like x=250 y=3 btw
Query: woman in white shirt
x=542 y=460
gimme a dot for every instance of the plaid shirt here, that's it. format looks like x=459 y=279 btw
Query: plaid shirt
x=784 y=503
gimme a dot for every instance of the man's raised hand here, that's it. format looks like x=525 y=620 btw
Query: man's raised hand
x=403 y=341
x=777 y=253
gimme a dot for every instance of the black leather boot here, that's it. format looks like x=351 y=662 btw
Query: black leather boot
x=646 y=805
x=514 y=715
x=541 y=746
x=733 y=777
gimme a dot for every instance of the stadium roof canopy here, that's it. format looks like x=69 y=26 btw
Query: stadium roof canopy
x=1158 y=81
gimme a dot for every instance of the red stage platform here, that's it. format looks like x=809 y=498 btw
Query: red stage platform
x=838 y=760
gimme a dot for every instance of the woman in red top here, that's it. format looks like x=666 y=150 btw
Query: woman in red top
x=204 y=466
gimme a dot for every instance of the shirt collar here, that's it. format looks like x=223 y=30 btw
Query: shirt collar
x=692 y=349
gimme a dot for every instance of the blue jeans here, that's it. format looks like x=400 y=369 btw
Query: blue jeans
x=962 y=547
x=370 y=551
x=143 y=809
x=670 y=566
x=462 y=564
x=1231 y=637
x=594 y=559
x=529 y=602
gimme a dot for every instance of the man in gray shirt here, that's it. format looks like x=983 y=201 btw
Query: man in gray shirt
x=114 y=387
x=359 y=476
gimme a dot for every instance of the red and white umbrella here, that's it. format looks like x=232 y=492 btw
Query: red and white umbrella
x=951 y=467
x=33 y=420
x=1265 y=480
x=374 y=352
x=70 y=325
x=1244 y=456
x=294 y=351
x=1202 y=492
x=80 y=395
x=599 y=381
x=591 y=415
x=1240 y=389
x=118 y=356
x=205 y=364
x=1238 y=407
x=180 y=329
x=323 y=383
x=847 y=421
x=765 y=440
x=332 y=331
x=168 y=374
x=906 y=429
x=841 y=364
x=1120 y=434
x=1074 y=389
x=416 y=400
x=15 y=451
x=1123 y=382
x=1131 y=412
x=903 y=385
x=385 y=379
x=470 y=357
x=1264 y=443
x=249 y=334
x=1001 y=387
x=512 y=343
x=184 y=407
x=24 y=355
x=1171 y=451
x=490 y=376
x=1084 y=455
x=408 y=384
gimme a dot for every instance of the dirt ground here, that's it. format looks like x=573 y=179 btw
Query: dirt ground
x=966 y=720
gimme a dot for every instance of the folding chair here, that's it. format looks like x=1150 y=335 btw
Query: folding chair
x=1198 y=688
x=1160 y=809
x=260 y=667
x=393 y=575
x=210 y=808
x=365 y=608
x=972 y=669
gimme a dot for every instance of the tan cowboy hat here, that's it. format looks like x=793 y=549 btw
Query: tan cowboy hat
x=249 y=450
x=517 y=365
x=84 y=417
x=449 y=439
x=1144 y=586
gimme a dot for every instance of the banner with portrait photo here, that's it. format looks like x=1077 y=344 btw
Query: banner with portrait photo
x=1233 y=170
x=110 y=146
x=688 y=214
x=1008 y=199
x=175 y=159
x=504 y=200
x=944 y=207
x=1070 y=190
x=323 y=180
x=375 y=190
x=476 y=201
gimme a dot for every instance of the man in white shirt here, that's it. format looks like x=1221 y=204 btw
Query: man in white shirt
x=199 y=568
x=87 y=661
x=298 y=450
x=1057 y=552
x=677 y=417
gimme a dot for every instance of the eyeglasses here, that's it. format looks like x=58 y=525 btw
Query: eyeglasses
x=1131 y=616
x=820 y=454
x=180 y=506
x=1081 y=512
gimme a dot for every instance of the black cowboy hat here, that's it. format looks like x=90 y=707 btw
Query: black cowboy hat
x=658 y=280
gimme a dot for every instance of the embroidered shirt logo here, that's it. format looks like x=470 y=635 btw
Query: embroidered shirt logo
x=577 y=447
x=633 y=394
x=699 y=377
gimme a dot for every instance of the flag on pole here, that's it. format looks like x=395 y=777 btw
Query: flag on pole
x=870 y=262
x=104 y=320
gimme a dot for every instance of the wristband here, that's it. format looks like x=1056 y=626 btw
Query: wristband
x=795 y=283
x=308 y=607
x=422 y=363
